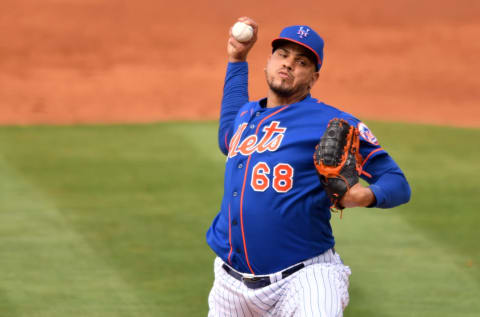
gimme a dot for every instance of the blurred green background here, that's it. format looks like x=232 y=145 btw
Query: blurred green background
x=101 y=220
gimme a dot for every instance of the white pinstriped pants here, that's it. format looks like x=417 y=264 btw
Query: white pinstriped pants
x=320 y=289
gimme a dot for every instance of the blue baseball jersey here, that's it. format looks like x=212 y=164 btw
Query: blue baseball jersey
x=274 y=211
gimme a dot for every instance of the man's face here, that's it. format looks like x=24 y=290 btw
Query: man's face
x=290 y=71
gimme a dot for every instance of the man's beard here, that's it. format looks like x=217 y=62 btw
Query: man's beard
x=281 y=91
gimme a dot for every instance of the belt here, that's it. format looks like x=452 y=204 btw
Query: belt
x=255 y=282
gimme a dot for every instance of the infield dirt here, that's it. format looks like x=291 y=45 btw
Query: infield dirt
x=85 y=61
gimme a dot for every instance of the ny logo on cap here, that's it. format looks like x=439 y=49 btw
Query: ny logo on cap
x=303 y=32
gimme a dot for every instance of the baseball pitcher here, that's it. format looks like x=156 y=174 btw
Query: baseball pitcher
x=291 y=160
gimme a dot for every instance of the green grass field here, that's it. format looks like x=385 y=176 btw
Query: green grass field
x=111 y=221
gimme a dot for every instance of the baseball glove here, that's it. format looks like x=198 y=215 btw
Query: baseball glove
x=337 y=159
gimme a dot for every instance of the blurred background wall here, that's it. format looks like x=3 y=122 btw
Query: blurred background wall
x=78 y=61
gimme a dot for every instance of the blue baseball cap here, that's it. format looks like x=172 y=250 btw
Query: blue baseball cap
x=305 y=36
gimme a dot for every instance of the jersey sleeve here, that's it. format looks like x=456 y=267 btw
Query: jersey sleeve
x=387 y=181
x=235 y=95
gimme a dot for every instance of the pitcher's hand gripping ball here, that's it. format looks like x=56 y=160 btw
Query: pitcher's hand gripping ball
x=337 y=159
x=242 y=32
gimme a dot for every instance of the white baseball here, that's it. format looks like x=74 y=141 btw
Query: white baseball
x=242 y=32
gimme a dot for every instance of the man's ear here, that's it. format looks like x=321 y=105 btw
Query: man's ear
x=315 y=76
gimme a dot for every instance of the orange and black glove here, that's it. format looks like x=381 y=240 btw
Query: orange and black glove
x=337 y=159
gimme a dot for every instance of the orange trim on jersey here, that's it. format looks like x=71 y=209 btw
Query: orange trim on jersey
x=366 y=174
x=229 y=236
x=243 y=191
x=241 y=214
x=365 y=161
x=369 y=155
